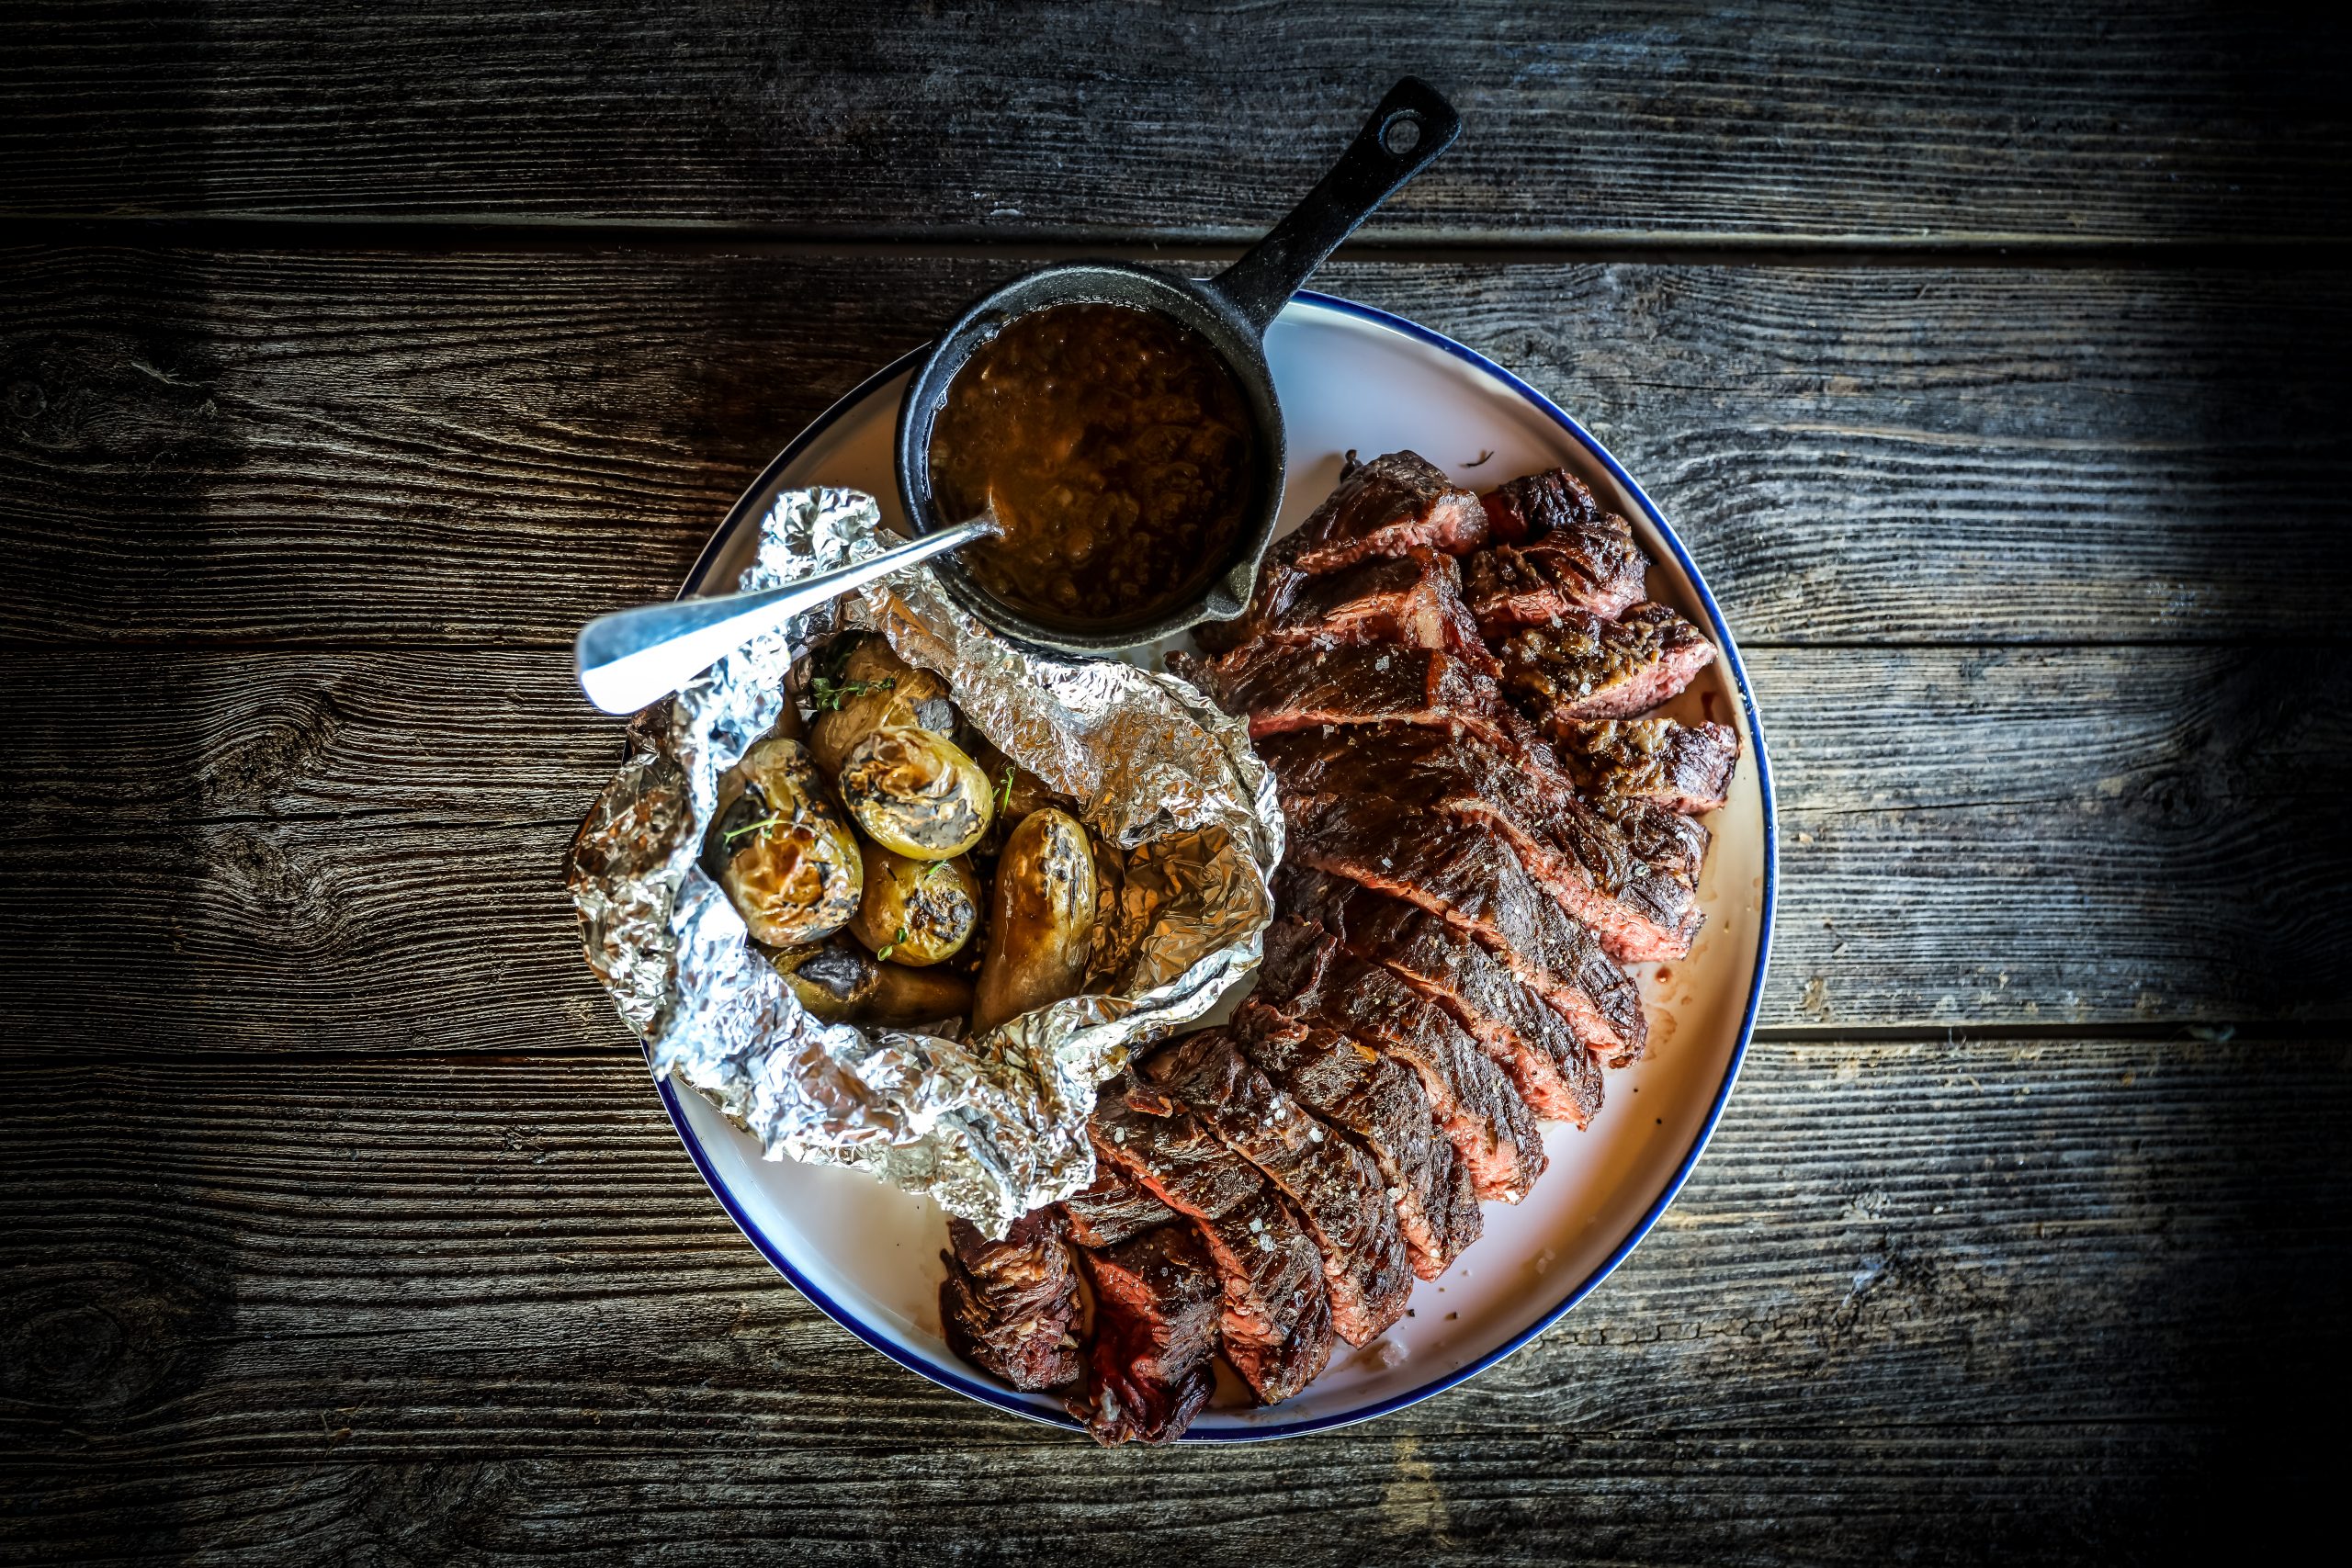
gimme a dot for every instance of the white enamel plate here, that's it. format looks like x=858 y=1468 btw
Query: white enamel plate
x=1350 y=378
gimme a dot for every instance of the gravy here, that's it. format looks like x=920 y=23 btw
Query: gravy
x=1118 y=450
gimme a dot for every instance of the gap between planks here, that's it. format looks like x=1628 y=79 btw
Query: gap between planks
x=1212 y=247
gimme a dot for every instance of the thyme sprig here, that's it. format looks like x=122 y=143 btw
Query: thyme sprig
x=827 y=694
x=763 y=826
x=892 y=946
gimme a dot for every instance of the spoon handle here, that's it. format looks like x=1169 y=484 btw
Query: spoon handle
x=633 y=658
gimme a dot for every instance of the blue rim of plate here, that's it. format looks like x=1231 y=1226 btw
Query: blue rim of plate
x=1005 y=1399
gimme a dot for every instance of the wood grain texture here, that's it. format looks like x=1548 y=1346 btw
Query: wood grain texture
x=426 y=1311
x=487 y=449
x=279 y=849
x=1981 y=121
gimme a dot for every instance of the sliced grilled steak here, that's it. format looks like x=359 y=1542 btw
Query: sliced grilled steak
x=1587 y=668
x=1508 y=586
x=1332 y=1184
x=1009 y=1306
x=1666 y=842
x=1387 y=507
x=1460 y=871
x=1116 y=1207
x=1553 y=1064
x=1157 y=1305
x=1585 y=862
x=1384 y=1111
x=1414 y=599
x=1307 y=976
x=1535 y=507
x=1277 y=1321
x=1281 y=689
x=1682 y=767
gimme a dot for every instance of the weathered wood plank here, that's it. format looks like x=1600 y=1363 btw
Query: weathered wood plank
x=492 y=448
x=2017 y=1295
x=315 y=850
x=1656 y=117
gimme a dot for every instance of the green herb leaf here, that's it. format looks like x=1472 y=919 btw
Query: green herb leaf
x=772 y=820
x=1004 y=794
x=892 y=946
x=827 y=695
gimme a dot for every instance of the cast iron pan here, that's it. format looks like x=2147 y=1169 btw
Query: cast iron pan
x=1232 y=310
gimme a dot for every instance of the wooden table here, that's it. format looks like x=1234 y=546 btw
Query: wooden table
x=1988 y=357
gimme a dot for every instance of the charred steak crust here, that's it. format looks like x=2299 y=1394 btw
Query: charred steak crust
x=1557 y=552
x=1277 y=1322
x=1579 y=858
x=1157 y=1306
x=1553 y=1064
x=1309 y=977
x=1331 y=1184
x=1116 y=1207
x=1385 y=1111
x=1682 y=767
x=1535 y=506
x=1384 y=508
x=1585 y=667
x=1009 y=1306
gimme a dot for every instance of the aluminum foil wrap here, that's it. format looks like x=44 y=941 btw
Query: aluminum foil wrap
x=991 y=1127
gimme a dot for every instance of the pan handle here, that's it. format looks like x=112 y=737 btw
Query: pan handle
x=1411 y=127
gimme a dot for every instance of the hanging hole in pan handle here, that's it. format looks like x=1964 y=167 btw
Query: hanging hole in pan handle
x=1402 y=133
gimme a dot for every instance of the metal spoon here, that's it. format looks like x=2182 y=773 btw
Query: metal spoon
x=634 y=658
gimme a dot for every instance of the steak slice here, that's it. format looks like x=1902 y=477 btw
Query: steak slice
x=1387 y=507
x=1666 y=842
x=1155 y=1312
x=1587 y=865
x=1414 y=599
x=1683 y=767
x=1585 y=667
x=1277 y=1321
x=1009 y=1306
x=1599 y=572
x=1116 y=1207
x=1460 y=871
x=1281 y=689
x=1383 y=1108
x=1306 y=976
x=1553 y=1065
x=1332 y=1184
x=1535 y=507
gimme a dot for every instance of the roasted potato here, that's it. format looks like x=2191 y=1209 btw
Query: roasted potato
x=874 y=690
x=782 y=851
x=830 y=978
x=915 y=791
x=1041 y=919
x=841 y=982
x=916 y=913
x=903 y=996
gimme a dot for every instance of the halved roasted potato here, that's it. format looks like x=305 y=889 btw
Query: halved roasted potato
x=1041 y=919
x=874 y=690
x=916 y=792
x=830 y=978
x=783 y=852
x=916 y=913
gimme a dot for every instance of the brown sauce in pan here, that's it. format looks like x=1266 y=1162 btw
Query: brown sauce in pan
x=1118 y=450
